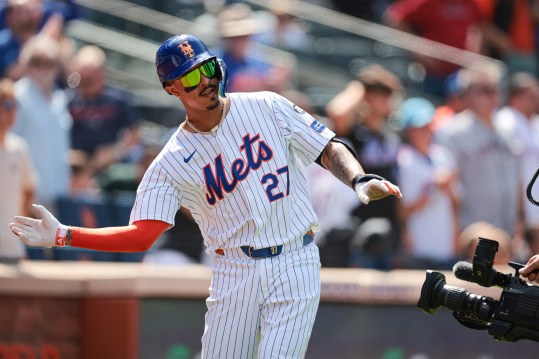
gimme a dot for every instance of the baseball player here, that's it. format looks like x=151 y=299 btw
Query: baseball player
x=235 y=164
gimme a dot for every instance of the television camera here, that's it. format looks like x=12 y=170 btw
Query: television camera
x=513 y=317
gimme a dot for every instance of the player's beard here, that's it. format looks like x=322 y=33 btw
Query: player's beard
x=215 y=103
x=215 y=100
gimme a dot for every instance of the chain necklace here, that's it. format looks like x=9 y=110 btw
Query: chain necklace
x=210 y=131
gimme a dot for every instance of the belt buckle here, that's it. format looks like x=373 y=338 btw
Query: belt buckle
x=250 y=255
x=273 y=250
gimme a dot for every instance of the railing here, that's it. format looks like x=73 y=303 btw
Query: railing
x=390 y=36
x=172 y=25
x=148 y=89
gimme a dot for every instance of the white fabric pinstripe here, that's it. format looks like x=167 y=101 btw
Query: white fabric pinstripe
x=245 y=216
x=279 y=295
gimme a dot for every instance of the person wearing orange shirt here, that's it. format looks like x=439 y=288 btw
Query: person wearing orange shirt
x=509 y=33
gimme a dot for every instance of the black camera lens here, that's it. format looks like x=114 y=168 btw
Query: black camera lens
x=435 y=293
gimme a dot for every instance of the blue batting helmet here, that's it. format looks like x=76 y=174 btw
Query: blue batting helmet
x=178 y=54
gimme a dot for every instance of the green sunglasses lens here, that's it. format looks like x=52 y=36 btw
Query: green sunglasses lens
x=208 y=69
x=192 y=78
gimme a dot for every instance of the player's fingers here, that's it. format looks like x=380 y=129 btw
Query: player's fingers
x=378 y=189
x=14 y=228
x=26 y=221
x=24 y=227
x=43 y=212
x=25 y=236
x=364 y=198
x=532 y=277
x=394 y=190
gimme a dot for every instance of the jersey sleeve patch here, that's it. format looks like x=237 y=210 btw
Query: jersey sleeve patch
x=317 y=126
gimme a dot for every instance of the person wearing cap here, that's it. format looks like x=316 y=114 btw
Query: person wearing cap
x=519 y=123
x=453 y=102
x=427 y=172
x=359 y=115
x=487 y=163
x=247 y=69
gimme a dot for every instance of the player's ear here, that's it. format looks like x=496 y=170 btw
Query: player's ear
x=171 y=90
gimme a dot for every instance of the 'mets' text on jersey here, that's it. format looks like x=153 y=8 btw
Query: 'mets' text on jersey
x=215 y=176
x=244 y=183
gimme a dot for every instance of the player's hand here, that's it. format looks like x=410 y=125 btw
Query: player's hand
x=528 y=270
x=375 y=189
x=36 y=232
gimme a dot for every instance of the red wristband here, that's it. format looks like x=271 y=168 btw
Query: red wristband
x=60 y=239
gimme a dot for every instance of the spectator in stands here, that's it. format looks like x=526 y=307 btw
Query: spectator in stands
x=509 y=33
x=68 y=9
x=487 y=165
x=427 y=174
x=18 y=177
x=469 y=238
x=453 y=103
x=247 y=68
x=125 y=177
x=23 y=19
x=284 y=30
x=83 y=184
x=451 y=22
x=359 y=115
x=43 y=119
x=519 y=123
x=104 y=122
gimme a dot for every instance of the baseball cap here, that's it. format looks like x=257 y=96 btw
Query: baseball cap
x=239 y=20
x=377 y=77
x=452 y=85
x=415 y=112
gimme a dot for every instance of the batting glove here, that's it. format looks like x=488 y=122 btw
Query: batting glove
x=372 y=188
x=37 y=232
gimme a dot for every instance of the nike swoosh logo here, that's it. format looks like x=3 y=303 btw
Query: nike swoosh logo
x=187 y=159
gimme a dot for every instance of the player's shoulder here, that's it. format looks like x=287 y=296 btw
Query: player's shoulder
x=254 y=96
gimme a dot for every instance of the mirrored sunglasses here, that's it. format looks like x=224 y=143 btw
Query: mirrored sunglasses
x=191 y=79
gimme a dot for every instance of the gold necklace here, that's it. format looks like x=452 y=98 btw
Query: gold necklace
x=188 y=123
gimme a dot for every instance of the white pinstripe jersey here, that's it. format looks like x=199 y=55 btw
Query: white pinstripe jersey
x=243 y=183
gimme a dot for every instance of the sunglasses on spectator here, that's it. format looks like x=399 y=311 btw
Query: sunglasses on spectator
x=9 y=104
x=41 y=62
x=486 y=89
x=192 y=79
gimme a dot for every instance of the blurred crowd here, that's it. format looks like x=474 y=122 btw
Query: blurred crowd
x=462 y=148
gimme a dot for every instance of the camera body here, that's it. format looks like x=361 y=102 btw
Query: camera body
x=513 y=317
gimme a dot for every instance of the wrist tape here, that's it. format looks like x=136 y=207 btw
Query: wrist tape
x=365 y=178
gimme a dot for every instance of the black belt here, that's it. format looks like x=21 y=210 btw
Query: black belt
x=268 y=252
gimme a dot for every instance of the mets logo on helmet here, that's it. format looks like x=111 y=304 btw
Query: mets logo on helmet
x=187 y=49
